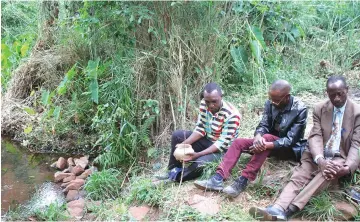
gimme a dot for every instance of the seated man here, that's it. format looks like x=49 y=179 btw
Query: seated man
x=332 y=152
x=217 y=126
x=280 y=130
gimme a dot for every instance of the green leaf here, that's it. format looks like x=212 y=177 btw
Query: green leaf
x=91 y=69
x=71 y=73
x=94 y=89
x=257 y=33
x=240 y=58
x=45 y=97
x=24 y=49
x=56 y=112
x=290 y=37
x=256 y=51
x=29 y=110
x=28 y=129
x=62 y=86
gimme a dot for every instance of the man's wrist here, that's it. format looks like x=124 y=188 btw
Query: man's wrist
x=318 y=157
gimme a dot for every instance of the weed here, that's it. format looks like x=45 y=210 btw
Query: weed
x=320 y=208
x=104 y=184
x=54 y=212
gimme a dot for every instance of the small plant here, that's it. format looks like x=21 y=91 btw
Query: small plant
x=143 y=191
x=320 y=208
x=104 y=184
x=54 y=212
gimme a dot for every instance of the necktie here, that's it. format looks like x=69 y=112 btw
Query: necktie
x=332 y=146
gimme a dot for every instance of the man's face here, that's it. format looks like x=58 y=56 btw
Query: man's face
x=279 y=99
x=213 y=101
x=337 y=93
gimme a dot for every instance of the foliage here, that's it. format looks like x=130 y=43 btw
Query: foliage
x=54 y=212
x=142 y=190
x=104 y=184
x=320 y=208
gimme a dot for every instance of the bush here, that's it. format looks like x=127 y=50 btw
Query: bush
x=104 y=184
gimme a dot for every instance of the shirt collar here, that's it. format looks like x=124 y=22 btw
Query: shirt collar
x=342 y=109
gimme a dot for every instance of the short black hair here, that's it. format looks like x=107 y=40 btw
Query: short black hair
x=281 y=85
x=333 y=79
x=211 y=87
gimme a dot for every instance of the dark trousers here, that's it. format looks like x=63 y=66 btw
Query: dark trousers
x=242 y=145
x=195 y=169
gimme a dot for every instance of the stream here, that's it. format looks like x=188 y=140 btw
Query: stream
x=23 y=175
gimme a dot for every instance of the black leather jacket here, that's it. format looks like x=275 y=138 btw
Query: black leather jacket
x=291 y=128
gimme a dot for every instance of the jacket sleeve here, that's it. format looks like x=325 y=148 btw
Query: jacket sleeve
x=316 y=143
x=352 y=159
x=228 y=133
x=265 y=122
x=295 y=133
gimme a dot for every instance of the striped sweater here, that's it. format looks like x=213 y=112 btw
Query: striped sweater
x=222 y=127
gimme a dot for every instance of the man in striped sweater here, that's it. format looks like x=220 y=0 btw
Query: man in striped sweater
x=217 y=126
x=279 y=133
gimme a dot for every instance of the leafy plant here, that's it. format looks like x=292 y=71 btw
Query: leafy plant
x=54 y=212
x=143 y=191
x=104 y=184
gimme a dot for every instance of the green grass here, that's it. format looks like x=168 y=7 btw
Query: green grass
x=104 y=184
x=54 y=212
x=320 y=208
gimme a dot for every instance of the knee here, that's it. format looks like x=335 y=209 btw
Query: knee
x=179 y=135
x=268 y=137
x=238 y=143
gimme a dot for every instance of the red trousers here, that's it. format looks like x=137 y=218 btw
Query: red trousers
x=234 y=152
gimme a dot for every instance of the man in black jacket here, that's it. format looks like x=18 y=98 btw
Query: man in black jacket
x=279 y=133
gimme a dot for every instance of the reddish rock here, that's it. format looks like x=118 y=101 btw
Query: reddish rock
x=347 y=210
x=67 y=170
x=83 y=162
x=72 y=195
x=77 y=170
x=204 y=205
x=139 y=213
x=61 y=163
x=85 y=174
x=68 y=179
x=76 y=208
x=70 y=161
x=63 y=185
x=59 y=176
x=74 y=185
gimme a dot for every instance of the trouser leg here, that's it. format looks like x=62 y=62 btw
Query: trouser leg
x=257 y=160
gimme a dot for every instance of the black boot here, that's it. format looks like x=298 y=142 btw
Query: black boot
x=236 y=188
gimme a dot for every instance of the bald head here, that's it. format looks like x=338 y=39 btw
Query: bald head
x=281 y=86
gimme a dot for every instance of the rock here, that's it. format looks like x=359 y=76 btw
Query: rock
x=59 y=176
x=83 y=162
x=139 y=213
x=72 y=195
x=85 y=174
x=61 y=163
x=204 y=205
x=74 y=185
x=69 y=178
x=76 y=208
x=67 y=170
x=70 y=161
x=348 y=211
x=77 y=170
x=63 y=185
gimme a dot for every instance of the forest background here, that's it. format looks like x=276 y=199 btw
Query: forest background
x=113 y=79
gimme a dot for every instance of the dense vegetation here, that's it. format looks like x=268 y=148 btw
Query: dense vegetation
x=125 y=74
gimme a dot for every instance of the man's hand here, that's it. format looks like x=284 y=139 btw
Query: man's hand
x=192 y=156
x=328 y=168
x=266 y=146
x=259 y=141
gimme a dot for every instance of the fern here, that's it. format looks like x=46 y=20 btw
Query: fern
x=145 y=131
x=108 y=159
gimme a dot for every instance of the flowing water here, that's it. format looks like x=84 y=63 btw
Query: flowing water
x=23 y=175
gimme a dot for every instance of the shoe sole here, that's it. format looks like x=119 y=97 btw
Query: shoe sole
x=229 y=195
x=261 y=214
x=207 y=188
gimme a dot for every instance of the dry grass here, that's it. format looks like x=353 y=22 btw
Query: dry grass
x=43 y=69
